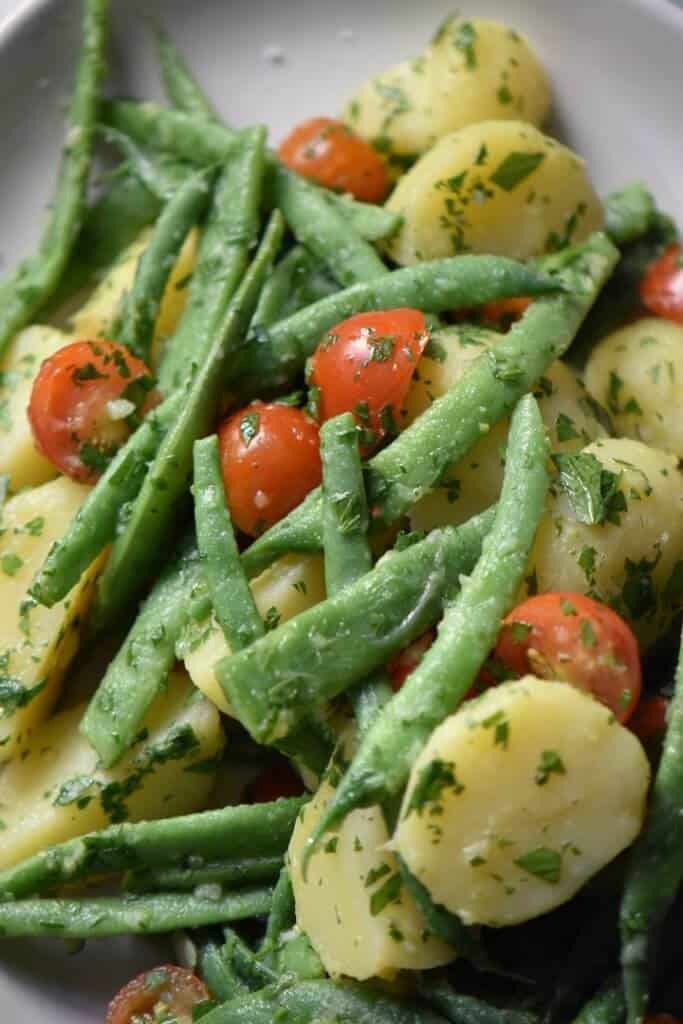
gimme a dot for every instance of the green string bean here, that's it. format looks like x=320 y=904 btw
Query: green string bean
x=181 y=87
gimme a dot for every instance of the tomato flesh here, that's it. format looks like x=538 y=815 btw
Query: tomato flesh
x=364 y=365
x=278 y=780
x=144 y=999
x=407 y=660
x=648 y=721
x=327 y=152
x=270 y=460
x=505 y=312
x=573 y=638
x=85 y=401
x=661 y=289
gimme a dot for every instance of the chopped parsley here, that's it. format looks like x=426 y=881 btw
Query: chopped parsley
x=433 y=780
x=249 y=427
x=593 y=491
x=14 y=694
x=11 y=563
x=501 y=728
x=565 y=428
x=543 y=863
x=549 y=763
x=389 y=892
x=464 y=39
x=515 y=168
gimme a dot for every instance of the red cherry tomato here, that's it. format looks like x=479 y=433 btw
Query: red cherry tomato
x=270 y=458
x=661 y=288
x=276 y=781
x=648 y=721
x=364 y=365
x=85 y=401
x=505 y=312
x=168 y=988
x=571 y=637
x=327 y=152
x=400 y=666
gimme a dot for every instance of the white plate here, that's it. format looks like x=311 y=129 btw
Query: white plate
x=617 y=75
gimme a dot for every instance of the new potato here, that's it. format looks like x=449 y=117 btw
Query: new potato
x=518 y=799
x=59 y=790
x=473 y=70
x=498 y=187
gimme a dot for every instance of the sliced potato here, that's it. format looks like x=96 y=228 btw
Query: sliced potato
x=635 y=561
x=498 y=187
x=36 y=643
x=359 y=918
x=57 y=790
x=474 y=70
x=20 y=460
x=96 y=317
x=289 y=586
x=637 y=374
x=518 y=799
x=475 y=482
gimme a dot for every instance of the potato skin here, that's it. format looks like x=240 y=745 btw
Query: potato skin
x=337 y=903
x=637 y=374
x=499 y=187
x=504 y=815
x=634 y=565
x=474 y=70
x=474 y=484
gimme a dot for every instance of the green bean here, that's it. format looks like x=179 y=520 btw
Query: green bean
x=103 y=916
x=351 y=1003
x=406 y=470
x=104 y=511
x=309 y=659
x=317 y=225
x=139 y=671
x=234 y=871
x=232 y=599
x=36 y=279
x=463 y=1009
x=242 y=832
x=153 y=519
x=252 y=972
x=608 y=1006
x=180 y=85
x=655 y=870
x=629 y=213
x=217 y=974
x=297 y=957
x=466 y=635
x=160 y=173
x=281 y=917
x=278 y=354
x=140 y=306
x=222 y=259
x=253 y=1008
x=295 y=282
x=204 y=141
x=345 y=521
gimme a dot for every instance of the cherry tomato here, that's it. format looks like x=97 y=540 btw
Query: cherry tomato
x=270 y=458
x=275 y=781
x=648 y=721
x=661 y=1018
x=505 y=312
x=661 y=288
x=326 y=151
x=173 y=989
x=364 y=365
x=402 y=664
x=571 y=637
x=85 y=401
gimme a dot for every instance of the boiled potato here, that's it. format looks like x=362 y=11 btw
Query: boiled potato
x=289 y=586
x=518 y=799
x=498 y=187
x=473 y=70
x=96 y=317
x=360 y=920
x=635 y=561
x=58 y=790
x=20 y=460
x=36 y=643
x=637 y=373
x=475 y=482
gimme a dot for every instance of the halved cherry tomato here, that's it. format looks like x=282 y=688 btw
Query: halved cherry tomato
x=84 y=403
x=364 y=365
x=168 y=988
x=326 y=151
x=277 y=780
x=574 y=638
x=505 y=312
x=402 y=664
x=661 y=288
x=648 y=721
x=270 y=459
